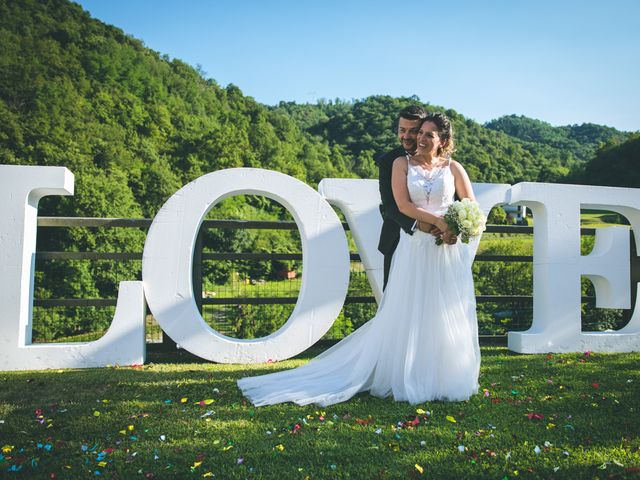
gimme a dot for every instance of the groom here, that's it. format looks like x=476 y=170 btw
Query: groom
x=408 y=124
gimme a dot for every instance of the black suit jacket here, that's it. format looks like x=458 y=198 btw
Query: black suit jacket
x=392 y=219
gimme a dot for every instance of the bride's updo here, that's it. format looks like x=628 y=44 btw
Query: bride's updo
x=445 y=132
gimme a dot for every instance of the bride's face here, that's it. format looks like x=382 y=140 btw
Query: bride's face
x=428 y=140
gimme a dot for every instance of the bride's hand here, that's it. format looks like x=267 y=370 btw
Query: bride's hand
x=450 y=238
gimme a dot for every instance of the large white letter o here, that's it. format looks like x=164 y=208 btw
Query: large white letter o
x=168 y=257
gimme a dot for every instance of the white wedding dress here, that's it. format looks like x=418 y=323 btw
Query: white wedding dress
x=422 y=343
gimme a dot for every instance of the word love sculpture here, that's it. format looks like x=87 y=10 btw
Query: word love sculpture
x=168 y=253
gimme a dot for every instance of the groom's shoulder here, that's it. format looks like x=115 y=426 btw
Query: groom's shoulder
x=390 y=156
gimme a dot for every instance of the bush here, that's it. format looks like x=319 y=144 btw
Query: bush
x=255 y=321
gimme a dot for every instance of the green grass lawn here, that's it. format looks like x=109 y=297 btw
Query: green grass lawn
x=536 y=416
x=600 y=218
x=275 y=288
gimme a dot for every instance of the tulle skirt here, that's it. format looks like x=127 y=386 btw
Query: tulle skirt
x=421 y=345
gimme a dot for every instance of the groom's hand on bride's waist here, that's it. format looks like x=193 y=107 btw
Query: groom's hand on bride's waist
x=426 y=227
x=447 y=237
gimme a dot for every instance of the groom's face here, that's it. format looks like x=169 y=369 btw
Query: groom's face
x=408 y=133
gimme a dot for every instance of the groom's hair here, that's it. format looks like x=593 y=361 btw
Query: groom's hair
x=413 y=112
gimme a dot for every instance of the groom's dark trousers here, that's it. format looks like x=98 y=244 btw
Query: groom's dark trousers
x=392 y=219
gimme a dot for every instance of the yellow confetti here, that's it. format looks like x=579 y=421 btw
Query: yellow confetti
x=450 y=419
x=102 y=464
x=96 y=413
x=123 y=432
x=184 y=400
x=279 y=447
x=196 y=464
x=419 y=468
x=420 y=412
x=550 y=426
x=208 y=401
x=208 y=474
x=228 y=447
x=105 y=401
x=7 y=448
x=130 y=428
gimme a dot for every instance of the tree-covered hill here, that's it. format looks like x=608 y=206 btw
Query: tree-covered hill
x=135 y=125
x=615 y=165
x=509 y=149
x=571 y=146
x=363 y=128
x=129 y=122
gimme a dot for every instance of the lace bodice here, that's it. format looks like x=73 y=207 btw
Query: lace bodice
x=431 y=190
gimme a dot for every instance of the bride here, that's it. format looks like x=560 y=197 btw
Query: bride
x=422 y=344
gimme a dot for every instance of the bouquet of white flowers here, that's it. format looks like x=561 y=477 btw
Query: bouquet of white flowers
x=465 y=219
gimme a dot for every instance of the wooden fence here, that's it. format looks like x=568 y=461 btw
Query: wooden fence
x=200 y=256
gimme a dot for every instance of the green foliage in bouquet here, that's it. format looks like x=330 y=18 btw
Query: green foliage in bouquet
x=465 y=219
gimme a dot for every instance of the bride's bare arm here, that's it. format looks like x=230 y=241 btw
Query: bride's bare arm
x=463 y=190
x=403 y=200
x=462 y=182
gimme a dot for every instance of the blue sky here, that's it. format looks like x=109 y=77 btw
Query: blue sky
x=561 y=61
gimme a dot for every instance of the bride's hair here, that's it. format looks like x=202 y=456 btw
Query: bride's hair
x=445 y=132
